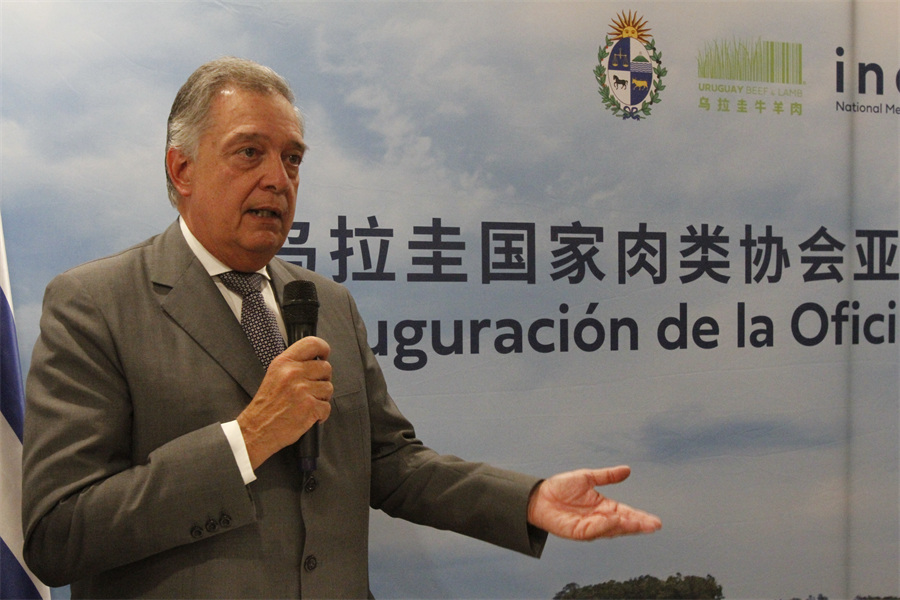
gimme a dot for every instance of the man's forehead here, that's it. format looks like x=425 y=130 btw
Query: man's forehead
x=248 y=113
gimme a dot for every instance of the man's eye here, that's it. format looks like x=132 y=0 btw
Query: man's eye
x=295 y=159
x=250 y=152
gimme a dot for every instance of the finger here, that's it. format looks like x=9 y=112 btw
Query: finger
x=621 y=524
x=636 y=526
x=610 y=476
x=635 y=520
x=318 y=389
x=322 y=409
x=643 y=522
x=315 y=370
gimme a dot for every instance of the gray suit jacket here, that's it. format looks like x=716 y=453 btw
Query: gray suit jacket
x=131 y=490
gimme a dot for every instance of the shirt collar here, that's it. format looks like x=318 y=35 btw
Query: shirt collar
x=213 y=265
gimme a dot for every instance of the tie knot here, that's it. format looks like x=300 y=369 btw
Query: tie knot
x=242 y=283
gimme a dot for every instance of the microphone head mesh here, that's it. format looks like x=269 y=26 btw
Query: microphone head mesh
x=300 y=289
x=301 y=302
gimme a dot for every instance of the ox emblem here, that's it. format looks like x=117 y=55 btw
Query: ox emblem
x=630 y=71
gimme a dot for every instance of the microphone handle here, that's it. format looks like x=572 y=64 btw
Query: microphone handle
x=308 y=445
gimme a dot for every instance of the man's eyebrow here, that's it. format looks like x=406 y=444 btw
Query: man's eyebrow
x=299 y=146
x=239 y=138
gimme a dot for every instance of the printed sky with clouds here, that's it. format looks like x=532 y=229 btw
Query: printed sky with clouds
x=773 y=469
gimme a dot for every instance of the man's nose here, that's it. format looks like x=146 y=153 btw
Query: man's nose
x=275 y=176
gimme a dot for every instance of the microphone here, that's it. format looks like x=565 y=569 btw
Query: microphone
x=300 y=310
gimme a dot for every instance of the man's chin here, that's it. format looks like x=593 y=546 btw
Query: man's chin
x=265 y=240
x=256 y=255
x=267 y=251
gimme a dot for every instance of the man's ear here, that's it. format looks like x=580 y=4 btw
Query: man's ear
x=180 y=169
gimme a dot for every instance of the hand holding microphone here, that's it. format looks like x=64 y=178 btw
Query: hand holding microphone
x=300 y=310
x=295 y=394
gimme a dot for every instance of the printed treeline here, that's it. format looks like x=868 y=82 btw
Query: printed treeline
x=646 y=587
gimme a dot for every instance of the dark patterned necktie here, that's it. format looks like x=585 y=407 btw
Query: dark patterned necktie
x=257 y=320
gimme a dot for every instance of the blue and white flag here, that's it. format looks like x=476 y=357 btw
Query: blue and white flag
x=16 y=581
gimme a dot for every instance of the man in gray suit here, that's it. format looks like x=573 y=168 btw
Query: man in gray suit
x=160 y=457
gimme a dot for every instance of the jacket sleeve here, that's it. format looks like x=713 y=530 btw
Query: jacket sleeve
x=413 y=482
x=88 y=504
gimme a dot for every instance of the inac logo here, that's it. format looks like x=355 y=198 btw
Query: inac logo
x=630 y=71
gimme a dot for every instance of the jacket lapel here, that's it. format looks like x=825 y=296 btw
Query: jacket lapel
x=194 y=302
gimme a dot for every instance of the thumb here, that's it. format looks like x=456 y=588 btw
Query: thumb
x=308 y=348
x=611 y=475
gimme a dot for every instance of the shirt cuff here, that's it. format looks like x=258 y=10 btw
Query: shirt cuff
x=236 y=440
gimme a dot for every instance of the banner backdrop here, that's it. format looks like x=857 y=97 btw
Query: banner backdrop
x=582 y=234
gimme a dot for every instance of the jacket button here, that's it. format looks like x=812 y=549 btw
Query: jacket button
x=311 y=484
x=196 y=532
x=310 y=563
x=211 y=525
x=225 y=520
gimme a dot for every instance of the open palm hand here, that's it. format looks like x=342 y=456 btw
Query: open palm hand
x=568 y=506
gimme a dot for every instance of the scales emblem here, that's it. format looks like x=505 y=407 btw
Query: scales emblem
x=630 y=71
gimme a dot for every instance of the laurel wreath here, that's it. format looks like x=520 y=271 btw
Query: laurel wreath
x=610 y=100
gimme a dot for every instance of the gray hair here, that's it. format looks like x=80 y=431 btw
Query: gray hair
x=189 y=116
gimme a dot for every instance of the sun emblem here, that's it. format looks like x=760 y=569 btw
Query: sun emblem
x=630 y=71
x=630 y=26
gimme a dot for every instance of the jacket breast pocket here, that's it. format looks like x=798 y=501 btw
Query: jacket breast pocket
x=345 y=435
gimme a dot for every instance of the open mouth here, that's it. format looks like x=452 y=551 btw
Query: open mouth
x=266 y=214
